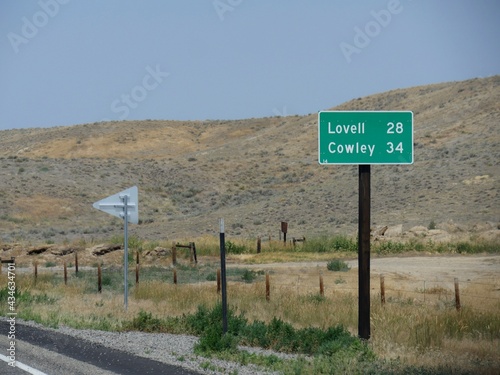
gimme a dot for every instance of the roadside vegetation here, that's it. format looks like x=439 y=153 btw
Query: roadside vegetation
x=346 y=245
x=318 y=332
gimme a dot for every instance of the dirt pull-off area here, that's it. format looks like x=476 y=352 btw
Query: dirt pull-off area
x=465 y=268
x=400 y=273
x=425 y=267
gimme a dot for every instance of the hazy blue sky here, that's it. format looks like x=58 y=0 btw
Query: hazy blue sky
x=66 y=62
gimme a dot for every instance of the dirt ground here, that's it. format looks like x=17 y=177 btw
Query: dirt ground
x=422 y=267
x=402 y=274
x=465 y=268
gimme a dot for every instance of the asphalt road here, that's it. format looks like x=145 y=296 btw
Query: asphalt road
x=55 y=353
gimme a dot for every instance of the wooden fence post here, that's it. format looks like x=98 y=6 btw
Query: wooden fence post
x=424 y=290
x=218 y=281
x=99 y=278
x=457 y=295
x=268 y=288
x=194 y=253
x=321 y=286
x=9 y=262
x=65 y=274
x=191 y=253
x=36 y=270
x=76 y=262
x=259 y=245
x=382 y=289
x=175 y=276
x=137 y=274
x=137 y=257
x=174 y=254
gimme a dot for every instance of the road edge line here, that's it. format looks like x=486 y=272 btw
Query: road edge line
x=22 y=366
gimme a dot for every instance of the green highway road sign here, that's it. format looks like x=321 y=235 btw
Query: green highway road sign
x=365 y=137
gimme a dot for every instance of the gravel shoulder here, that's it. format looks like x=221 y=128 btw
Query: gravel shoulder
x=177 y=350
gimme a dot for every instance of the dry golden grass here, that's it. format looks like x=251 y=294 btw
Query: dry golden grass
x=418 y=323
x=41 y=207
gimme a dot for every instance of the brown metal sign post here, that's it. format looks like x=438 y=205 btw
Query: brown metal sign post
x=364 y=252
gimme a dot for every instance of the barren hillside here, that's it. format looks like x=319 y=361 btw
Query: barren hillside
x=253 y=172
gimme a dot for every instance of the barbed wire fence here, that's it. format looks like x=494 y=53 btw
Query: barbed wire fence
x=478 y=295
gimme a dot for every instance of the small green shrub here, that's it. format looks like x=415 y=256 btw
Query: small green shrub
x=208 y=324
x=145 y=322
x=232 y=248
x=211 y=276
x=204 y=317
x=214 y=340
x=248 y=276
x=106 y=280
x=255 y=334
x=338 y=265
x=432 y=225
x=282 y=335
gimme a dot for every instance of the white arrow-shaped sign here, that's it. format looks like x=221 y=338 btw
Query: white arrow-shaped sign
x=115 y=204
x=125 y=205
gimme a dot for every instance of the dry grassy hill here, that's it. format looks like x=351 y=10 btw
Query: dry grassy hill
x=253 y=172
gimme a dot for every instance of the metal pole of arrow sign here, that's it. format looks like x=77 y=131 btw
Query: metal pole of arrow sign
x=125 y=270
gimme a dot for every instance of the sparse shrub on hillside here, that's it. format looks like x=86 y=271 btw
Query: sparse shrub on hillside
x=236 y=225
x=49 y=233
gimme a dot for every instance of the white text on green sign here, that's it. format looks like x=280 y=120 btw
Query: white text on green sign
x=362 y=137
